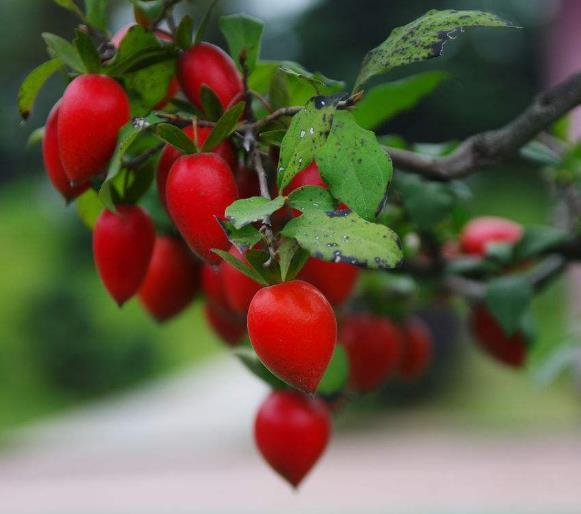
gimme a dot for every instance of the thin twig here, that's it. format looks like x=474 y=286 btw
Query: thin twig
x=141 y=158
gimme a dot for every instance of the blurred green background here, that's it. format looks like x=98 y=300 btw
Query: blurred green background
x=63 y=341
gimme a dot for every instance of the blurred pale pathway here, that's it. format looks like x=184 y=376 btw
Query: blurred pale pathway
x=184 y=445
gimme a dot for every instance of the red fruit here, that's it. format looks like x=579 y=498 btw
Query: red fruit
x=293 y=330
x=205 y=64
x=172 y=280
x=291 y=431
x=122 y=247
x=213 y=286
x=225 y=324
x=52 y=160
x=91 y=112
x=418 y=346
x=480 y=232
x=374 y=346
x=199 y=188
x=309 y=176
x=238 y=288
x=247 y=181
x=334 y=280
x=170 y=154
x=508 y=349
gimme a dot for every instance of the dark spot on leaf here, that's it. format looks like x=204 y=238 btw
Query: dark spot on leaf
x=339 y=214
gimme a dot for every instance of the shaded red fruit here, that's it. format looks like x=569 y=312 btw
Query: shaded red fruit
x=52 y=160
x=198 y=189
x=122 y=247
x=293 y=330
x=238 y=288
x=205 y=64
x=170 y=154
x=91 y=112
x=480 y=232
x=291 y=432
x=417 y=350
x=213 y=286
x=172 y=280
x=374 y=346
x=309 y=176
x=334 y=280
x=247 y=181
x=225 y=324
x=508 y=349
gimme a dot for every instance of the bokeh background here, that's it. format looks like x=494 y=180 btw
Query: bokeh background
x=103 y=410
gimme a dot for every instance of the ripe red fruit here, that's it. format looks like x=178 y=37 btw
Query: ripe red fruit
x=293 y=330
x=205 y=64
x=52 y=160
x=508 y=349
x=291 y=431
x=225 y=324
x=334 y=280
x=309 y=176
x=247 y=181
x=418 y=346
x=172 y=280
x=170 y=154
x=199 y=188
x=213 y=286
x=92 y=110
x=122 y=247
x=374 y=346
x=238 y=288
x=480 y=232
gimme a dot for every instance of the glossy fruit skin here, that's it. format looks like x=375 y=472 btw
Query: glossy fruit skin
x=418 y=349
x=198 y=189
x=92 y=110
x=52 y=160
x=293 y=330
x=374 y=346
x=291 y=432
x=238 y=288
x=207 y=64
x=509 y=350
x=122 y=247
x=172 y=280
x=334 y=280
x=229 y=327
x=480 y=232
x=170 y=155
x=309 y=176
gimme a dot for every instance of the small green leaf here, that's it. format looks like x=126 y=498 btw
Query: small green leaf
x=224 y=127
x=89 y=207
x=343 y=236
x=554 y=363
x=127 y=135
x=311 y=197
x=152 y=9
x=385 y=101
x=508 y=299
x=286 y=252
x=279 y=94
x=258 y=258
x=540 y=153
x=249 y=271
x=244 y=36
x=205 y=19
x=109 y=196
x=249 y=358
x=185 y=32
x=354 y=166
x=88 y=52
x=61 y=49
x=175 y=137
x=306 y=135
x=337 y=373
x=211 y=104
x=33 y=83
x=272 y=137
x=422 y=39
x=71 y=6
x=36 y=137
x=249 y=210
x=244 y=238
x=97 y=13
x=538 y=239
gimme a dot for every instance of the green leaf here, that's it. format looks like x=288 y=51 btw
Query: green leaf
x=35 y=137
x=109 y=196
x=185 y=32
x=97 y=13
x=508 y=299
x=88 y=52
x=89 y=207
x=61 y=49
x=385 y=101
x=354 y=166
x=244 y=36
x=244 y=238
x=242 y=267
x=272 y=137
x=249 y=358
x=538 y=239
x=137 y=182
x=127 y=135
x=307 y=133
x=203 y=24
x=337 y=373
x=422 y=39
x=257 y=259
x=278 y=93
x=311 y=197
x=175 y=137
x=343 y=236
x=152 y=9
x=71 y=6
x=224 y=126
x=211 y=104
x=539 y=153
x=286 y=251
x=33 y=83
x=562 y=357
x=249 y=210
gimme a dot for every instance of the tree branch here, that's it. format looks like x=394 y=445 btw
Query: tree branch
x=493 y=146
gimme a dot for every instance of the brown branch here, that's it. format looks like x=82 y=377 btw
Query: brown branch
x=493 y=146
